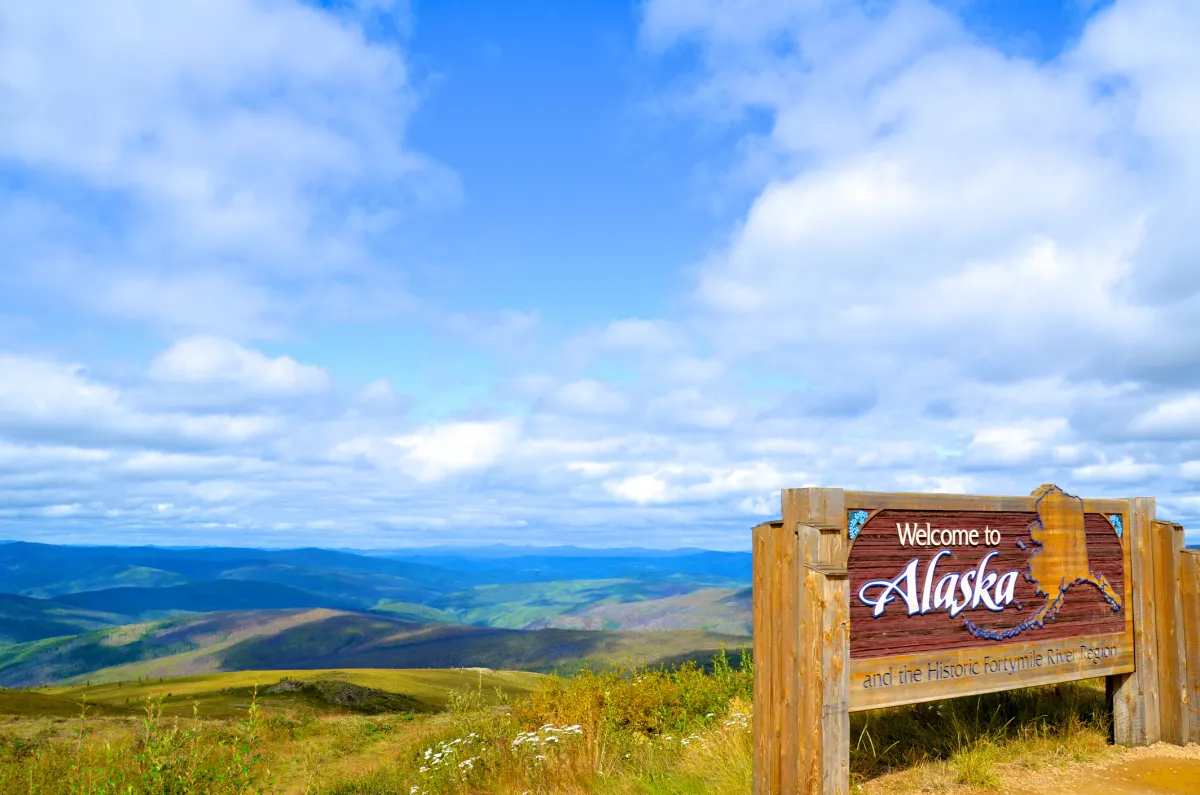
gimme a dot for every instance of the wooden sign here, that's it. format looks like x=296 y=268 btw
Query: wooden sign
x=868 y=600
x=958 y=599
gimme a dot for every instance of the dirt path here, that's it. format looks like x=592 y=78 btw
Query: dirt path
x=1157 y=770
x=325 y=765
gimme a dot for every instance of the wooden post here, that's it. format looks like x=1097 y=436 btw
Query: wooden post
x=1189 y=588
x=1169 y=632
x=1135 y=696
x=802 y=648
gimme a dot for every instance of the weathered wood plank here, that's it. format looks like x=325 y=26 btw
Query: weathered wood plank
x=763 y=624
x=821 y=521
x=963 y=502
x=1167 y=612
x=1189 y=587
x=1145 y=728
x=1061 y=662
x=835 y=715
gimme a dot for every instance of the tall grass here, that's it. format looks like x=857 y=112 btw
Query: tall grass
x=1033 y=726
x=157 y=757
x=682 y=730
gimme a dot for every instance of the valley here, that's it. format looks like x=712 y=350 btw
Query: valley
x=70 y=615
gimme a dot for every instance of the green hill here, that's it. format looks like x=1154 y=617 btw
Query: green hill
x=323 y=638
x=722 y=610
x=564 y=588
x=24 y=619
x=227 y=694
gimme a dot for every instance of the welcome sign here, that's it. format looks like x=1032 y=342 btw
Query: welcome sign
x=865 y=600
x=944 y=602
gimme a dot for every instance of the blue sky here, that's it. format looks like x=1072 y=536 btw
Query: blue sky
x=374 y=274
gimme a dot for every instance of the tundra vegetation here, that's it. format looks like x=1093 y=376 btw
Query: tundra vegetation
x=681 y=730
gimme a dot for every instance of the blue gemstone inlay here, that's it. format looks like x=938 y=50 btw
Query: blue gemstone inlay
x=857 y=520
x=1115 y=520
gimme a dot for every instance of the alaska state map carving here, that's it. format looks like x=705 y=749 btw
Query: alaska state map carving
x=1057 y=562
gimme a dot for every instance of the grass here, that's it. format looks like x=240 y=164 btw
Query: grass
x=971 y=737
x=227 y=694
x=680 y=730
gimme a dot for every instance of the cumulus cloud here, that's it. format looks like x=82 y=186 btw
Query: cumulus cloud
x=203 y=359
x=435 y=452
x=239 y=186
x=961 y=270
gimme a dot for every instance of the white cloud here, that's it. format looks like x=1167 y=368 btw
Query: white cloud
x=759 y=506
x=984 y=262
x=1125 y=470
x=202 y=360
x=437 y=451
x=379 y=391
x=1179 y=415
x=1017 y=443
x=38 y=396
x=591 y=397
x=163 y=464
x=685 y=483
x=40 y=389
x=939 y=484
x=457 y=447
x=591 y=469
x=690 y=408
x=640 y=335
x=641 y=489
x=232 y=178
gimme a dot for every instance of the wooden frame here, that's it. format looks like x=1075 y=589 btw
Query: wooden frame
x=802 y=631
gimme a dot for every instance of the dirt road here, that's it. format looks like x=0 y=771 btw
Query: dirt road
x=1157 y=770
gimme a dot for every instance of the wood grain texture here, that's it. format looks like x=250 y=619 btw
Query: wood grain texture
x=1142 y=700
x=765 y=672
x=877 y=554
x=1189 y=590
x=1168 y=610
x=1071 y=599
x=1068 y=664
x=868 y=500
x=801 y=646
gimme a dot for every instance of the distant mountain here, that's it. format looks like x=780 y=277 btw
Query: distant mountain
x=499 y=587
x=47 y=570
x=201 y=597
x=714 y=567
x=500 y=551
x=319 y=639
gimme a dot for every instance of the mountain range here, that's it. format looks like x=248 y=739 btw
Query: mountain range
x=107 y=612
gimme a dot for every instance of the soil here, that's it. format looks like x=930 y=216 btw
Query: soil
x=1157 y=770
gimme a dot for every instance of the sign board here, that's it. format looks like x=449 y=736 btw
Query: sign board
x=952 y=599
x=865 y=600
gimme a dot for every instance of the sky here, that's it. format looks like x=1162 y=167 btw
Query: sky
x=369 y=274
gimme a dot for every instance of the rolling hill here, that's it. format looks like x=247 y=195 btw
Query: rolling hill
x=227 y=694
x=721 y=610
x=24 y=619
x=324 y=638
x=511 y=588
